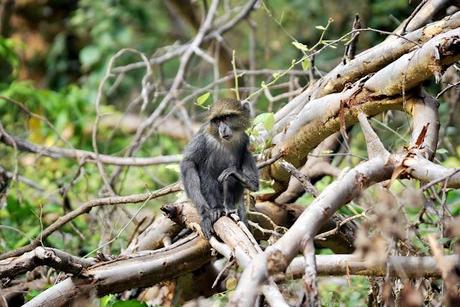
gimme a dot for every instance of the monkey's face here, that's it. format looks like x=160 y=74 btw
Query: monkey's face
x=226 y=126
x=229 y=119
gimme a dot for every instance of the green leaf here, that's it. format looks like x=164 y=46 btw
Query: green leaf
x=202 y=99
x=306 y=64
x=34 y=231
x=130 y=303
x=300 y=46
x=442 y=151
x=105 y=300
x=20 y=211
x=89 y=56
x=266 y=119
x=320 y=28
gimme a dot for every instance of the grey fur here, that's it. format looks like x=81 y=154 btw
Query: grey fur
x=211 y=163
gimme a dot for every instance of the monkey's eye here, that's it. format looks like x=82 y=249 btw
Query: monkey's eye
x=229 y=117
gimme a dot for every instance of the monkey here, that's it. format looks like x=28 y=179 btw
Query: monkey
x=217 y=165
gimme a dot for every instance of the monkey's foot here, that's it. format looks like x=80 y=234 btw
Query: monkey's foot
x=229 y=212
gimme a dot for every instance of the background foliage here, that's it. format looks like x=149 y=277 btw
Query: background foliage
x=55 y=55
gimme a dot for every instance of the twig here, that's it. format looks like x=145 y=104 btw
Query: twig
x=446 y=89
x=414 y=13
x=324 y=235
x=303 y=179
x=227 y=266
x=436 y=181
x=270 y=161
x=350 y=49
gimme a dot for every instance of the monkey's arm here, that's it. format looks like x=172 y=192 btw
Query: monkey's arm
x=249 y=175
x=251 y=171
x=192 y=185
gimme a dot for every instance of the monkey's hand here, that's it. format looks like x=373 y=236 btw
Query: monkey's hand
x=226 y=173
x=206 y=227
x=208 y=220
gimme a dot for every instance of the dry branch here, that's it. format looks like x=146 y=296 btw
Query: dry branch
x=51 y=257
x=130 y=272
x=153 y=237
x=427 y=171
x=184 y=213
x=365 y=63
x=380 y=167
x=402 y=266
x=422 y=14
x=377 y=94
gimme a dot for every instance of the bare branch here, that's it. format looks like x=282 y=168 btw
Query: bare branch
x=51 y=257
x=136 y=271
x=427 y=171
x=375 y=147
x=303 y=179
x=402 y=266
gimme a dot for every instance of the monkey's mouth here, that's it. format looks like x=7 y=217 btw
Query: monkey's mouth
x=227 y=137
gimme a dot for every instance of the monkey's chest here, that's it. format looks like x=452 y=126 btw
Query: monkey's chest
x=219 y=161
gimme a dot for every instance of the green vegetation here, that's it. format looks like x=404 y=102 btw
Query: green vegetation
x=52 y=67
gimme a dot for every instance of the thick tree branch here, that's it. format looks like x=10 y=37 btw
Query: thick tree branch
x=365 y=63
x=129 y=272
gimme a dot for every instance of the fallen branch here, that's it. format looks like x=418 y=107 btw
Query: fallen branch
x=135 y=271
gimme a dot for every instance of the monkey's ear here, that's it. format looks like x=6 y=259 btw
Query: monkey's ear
x=246 y=107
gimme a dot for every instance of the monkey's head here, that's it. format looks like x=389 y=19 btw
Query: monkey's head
x=229 y=118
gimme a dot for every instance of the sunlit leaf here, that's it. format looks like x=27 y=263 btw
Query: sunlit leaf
x=266 y=119
x=202 y=99
x=306 y=64
x=300 y=46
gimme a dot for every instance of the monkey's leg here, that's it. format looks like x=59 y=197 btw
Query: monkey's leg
x=242 y=212
x=227 y=203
